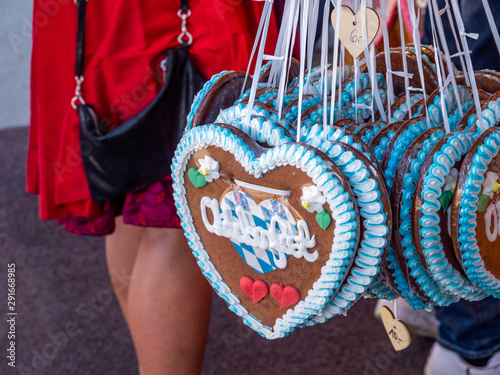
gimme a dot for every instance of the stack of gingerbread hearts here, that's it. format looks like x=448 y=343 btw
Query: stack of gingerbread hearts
x=301 y=195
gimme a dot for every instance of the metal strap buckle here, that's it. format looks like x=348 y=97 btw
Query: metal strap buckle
x=78 y=92
x=184 y=31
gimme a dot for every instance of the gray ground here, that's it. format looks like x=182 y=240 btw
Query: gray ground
x=69 y=323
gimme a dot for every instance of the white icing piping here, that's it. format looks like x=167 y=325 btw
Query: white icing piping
x=275 y=238
x=492 y=210
x=264 y=189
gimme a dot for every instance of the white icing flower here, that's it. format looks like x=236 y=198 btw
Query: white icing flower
x=312 y=199
x=451 y=180
x=490 y=184
x=209 y=167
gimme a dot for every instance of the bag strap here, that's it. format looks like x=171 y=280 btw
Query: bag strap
x=80 y=52
x=185 y=39
x=184 y=5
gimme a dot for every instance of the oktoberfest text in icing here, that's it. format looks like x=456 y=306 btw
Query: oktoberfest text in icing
x=275 y=237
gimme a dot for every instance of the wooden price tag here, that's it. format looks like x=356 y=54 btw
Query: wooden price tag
x=350 y=29
x=396 y=330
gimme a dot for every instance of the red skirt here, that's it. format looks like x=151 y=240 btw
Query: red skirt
x=125 y=41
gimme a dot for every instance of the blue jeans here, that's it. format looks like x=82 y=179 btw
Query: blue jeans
x=471 y=329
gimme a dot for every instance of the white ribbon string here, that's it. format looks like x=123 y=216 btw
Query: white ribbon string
x=455 y=37
x=449 y=64
x=311 y=38
x=443 y=91
x=324 y=59
x=254 y=48
x=468 y=61
x=387 y=53
x=338 y=7
x=264 y=189
x=493 y=26
x=285 y=48
x=403 y=54
x=273 y=58
x=370 y=56
x=303 y=51
x=341 y=80
x=258 y=65
x=415 y=22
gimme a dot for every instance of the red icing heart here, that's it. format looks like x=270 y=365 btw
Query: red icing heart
x=256 y=290
x=286 y=296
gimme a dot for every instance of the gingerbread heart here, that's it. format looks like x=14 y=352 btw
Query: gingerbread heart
x=257 y=218
x=476 y=208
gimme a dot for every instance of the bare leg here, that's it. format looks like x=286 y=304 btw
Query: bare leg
x=168 y=307
x=121 y=250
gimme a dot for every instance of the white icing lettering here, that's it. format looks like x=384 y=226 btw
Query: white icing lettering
x=492 y=213
x=273 y=238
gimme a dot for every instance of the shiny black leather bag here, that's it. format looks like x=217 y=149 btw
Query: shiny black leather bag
x=139 y=152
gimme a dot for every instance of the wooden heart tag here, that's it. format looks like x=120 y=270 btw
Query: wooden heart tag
x=396 y=330
x=351 y=29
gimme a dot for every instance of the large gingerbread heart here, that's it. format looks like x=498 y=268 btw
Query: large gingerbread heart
x=282 y=215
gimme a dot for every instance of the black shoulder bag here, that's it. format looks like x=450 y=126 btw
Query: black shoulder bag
x=140 y=151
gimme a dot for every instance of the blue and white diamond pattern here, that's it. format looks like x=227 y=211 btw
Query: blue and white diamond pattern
x=261 y=260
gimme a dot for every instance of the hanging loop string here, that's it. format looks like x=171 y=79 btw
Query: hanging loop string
x=470 y=68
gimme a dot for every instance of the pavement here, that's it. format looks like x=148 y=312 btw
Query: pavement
x=69 y=322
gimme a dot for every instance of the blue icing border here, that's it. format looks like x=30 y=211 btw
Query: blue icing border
x=291 y=115
x=445 y=275
x=292 y=154
x=262 y=130
x=369 y=134
x=315 y=136
x=371 y=246
x=198 y=98
x=381 y=289
x=426 y=281
x=400 y=113
x=364 y=113
x=246 y=94
x=402 y=143
x=435 y=113
x=472 y=263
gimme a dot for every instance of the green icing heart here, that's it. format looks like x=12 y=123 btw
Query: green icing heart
x=323 y=219
x=482 y=203
x=196 y=178
x=445 y=199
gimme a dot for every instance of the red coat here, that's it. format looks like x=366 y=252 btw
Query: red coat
x=125 y=40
